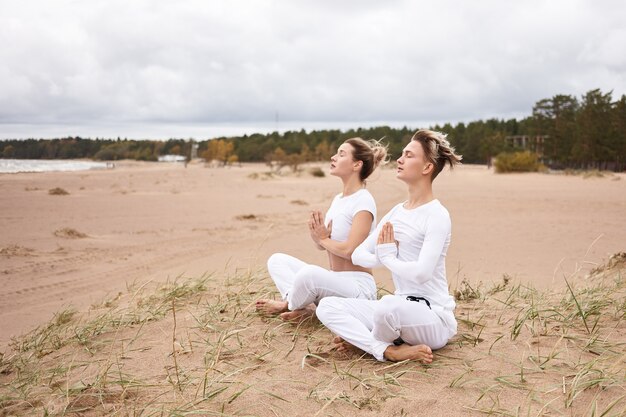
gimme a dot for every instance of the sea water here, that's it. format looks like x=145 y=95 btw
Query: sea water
x=39 y=165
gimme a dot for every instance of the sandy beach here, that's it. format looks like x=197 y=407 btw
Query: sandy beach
x=118 y=229
x=146 y=221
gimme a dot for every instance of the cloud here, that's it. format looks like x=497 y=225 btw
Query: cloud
x=85 y=63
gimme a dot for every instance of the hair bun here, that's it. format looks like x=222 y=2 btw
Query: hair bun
x=380 y=153
x=372 y=153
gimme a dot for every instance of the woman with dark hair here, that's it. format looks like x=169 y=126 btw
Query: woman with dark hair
x=411 y=241
x=349 y=220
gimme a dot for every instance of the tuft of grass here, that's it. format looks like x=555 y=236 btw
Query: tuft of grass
x=16 y=250
x=506 y=280
x=317 y=172
x=246 y=217
x=589 y=173
x=518 y=162
x=57 y=191
x=299 y=202
x=69 y=233
x=593 y=173
x=467 y=292
x=263 y=176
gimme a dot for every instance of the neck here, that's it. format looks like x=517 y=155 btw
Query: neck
x=420 y=193
x=351 y=185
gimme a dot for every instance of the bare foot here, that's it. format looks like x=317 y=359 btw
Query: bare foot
x=343 y=346
x=337 y=340
x=403 y=352
x=271 y=306
x=299 y=315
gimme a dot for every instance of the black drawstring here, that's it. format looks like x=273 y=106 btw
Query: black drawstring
x=418 y=299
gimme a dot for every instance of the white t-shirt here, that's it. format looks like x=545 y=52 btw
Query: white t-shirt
x=417 y=264
x=343 y=209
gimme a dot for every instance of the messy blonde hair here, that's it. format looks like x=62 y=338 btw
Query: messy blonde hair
x=437 y=150
x=372 y=153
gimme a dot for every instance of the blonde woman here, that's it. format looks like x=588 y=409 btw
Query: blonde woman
x=349 y=220
x=411 y=241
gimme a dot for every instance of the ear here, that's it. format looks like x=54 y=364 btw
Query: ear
x=358 y=165
x=428 y=168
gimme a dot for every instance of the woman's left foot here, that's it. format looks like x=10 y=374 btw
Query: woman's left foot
x=271 y=306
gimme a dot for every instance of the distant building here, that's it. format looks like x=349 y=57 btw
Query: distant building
x=527 y=143
x=194 y=150
x=172 y=158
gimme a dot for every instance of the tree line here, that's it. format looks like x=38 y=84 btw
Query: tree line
x=589 y=132
x=100 y=149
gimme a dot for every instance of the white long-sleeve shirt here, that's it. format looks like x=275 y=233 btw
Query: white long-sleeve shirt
x=417 y=264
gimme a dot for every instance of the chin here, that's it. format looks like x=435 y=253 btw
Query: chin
x=401 y=177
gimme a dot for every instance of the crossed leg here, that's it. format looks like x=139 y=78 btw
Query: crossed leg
x=374 y=326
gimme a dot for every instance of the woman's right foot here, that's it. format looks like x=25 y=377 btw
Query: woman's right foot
x=267 y=306
x=343 y=346
x=299 y=315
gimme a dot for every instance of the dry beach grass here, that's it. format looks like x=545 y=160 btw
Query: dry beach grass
x=196 y=346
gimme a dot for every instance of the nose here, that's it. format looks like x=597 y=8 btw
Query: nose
x=400 y=160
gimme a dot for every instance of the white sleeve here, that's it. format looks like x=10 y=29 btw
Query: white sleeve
x=365 y=254
x=365 y=203
x=437 y=232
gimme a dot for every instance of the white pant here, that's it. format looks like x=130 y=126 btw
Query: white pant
x=372 y=326
x=301 y=284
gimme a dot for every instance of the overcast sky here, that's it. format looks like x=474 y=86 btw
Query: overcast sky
x=159 y=69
